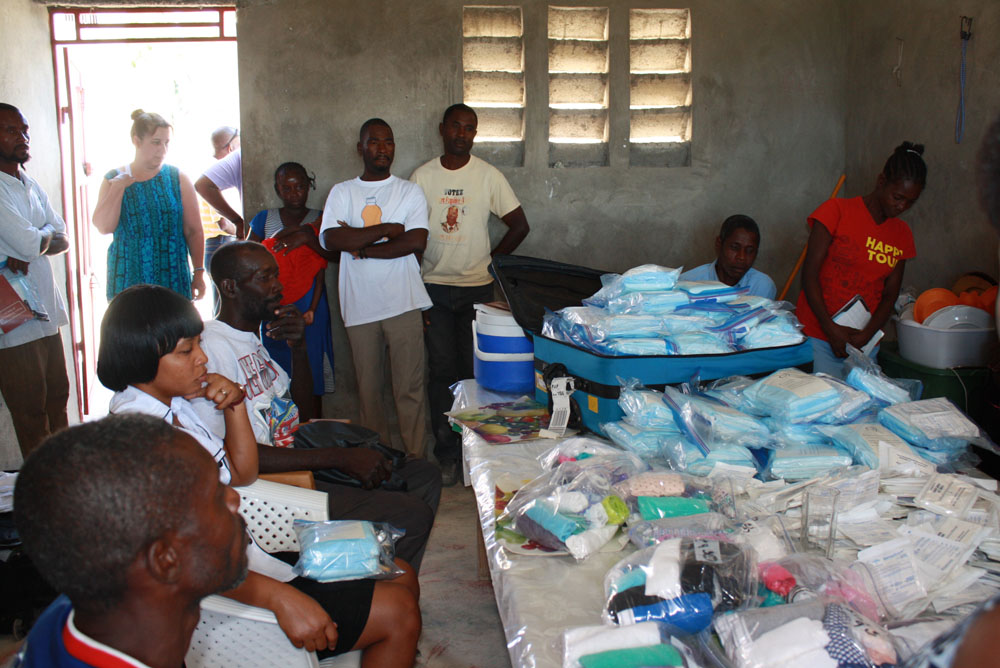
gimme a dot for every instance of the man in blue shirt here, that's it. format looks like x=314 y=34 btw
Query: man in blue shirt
x=125 y=517
x=736 y=248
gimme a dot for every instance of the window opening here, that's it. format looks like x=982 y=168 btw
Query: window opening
x=660 y=87
x=578 y=86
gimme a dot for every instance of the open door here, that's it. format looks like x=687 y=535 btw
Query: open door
x=82 y=284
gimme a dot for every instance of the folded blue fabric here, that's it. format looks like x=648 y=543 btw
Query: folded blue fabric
x=792 y=395
x=700 y=343
x=645 y=408
x=802 y=462
x=648 y=278
x=645 y=347
x=933 y=424
x=645 y=443
x=649 y=303
x=337 y=550
x=877 y=386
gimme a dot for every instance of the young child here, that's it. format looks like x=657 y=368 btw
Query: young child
x=302 y=272
x=859 y=247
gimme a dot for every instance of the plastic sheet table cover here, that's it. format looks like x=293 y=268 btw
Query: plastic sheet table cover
x=538 y=597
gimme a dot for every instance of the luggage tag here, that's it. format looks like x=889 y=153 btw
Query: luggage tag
x=560 y=390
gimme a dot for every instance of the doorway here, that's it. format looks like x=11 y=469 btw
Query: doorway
x=179 y=63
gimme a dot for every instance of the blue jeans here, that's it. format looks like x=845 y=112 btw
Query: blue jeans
x=824 y=361
x=449 y=350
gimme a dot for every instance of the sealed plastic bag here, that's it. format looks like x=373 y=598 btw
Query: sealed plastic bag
x=645 y=408
x=805 y=461
x=574 y=507
x=659 y=494
x=715 y=291
x=818 y=634
x=337 y=550
x=647 y=303
x=934 y=424
x=714 y=424
x=680 y=582
x=863 y=441
x=792 y=395
x=647 y=278
x=864 y=374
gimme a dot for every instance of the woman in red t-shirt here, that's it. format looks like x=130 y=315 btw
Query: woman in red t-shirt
x=859 y=248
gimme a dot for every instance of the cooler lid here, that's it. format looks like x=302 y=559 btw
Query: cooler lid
x=532 y=285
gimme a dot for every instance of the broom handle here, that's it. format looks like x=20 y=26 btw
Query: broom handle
x=802 y=256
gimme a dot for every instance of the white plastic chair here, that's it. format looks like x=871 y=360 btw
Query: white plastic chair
x=231 y=633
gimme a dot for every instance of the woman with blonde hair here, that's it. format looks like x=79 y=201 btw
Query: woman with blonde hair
x=152 y=211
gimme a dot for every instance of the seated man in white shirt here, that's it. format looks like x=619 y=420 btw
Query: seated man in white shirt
x=133 y=544
x=736 y=249
x=246 y=277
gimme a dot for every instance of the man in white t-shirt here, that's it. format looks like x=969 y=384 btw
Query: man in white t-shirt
x=219 y=176
x=378 y=222
x=246 y=276
x=462 y=191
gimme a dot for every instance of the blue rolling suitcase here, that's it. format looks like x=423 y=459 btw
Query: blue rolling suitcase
x=532 y=285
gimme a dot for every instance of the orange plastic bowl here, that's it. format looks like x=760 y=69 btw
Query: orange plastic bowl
x=932 y=300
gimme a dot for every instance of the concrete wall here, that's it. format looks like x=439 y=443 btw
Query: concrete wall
x=27 y=82
x=950 y=230
x=769 y=102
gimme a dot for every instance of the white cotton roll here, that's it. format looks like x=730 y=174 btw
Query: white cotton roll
x=785 y=645
x=663 y=574
x=572 y=502
x=584 y=544
x=585 y=640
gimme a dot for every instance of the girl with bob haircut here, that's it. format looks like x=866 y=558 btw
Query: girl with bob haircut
x=151 y=356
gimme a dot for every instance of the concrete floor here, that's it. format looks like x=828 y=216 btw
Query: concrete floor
x=461 y=626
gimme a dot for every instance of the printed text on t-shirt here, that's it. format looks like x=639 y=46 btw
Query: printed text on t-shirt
x=259 y=372
x=882 y=253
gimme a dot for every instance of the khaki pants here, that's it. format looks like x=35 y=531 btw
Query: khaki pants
x=402 y=338
x=34 y=384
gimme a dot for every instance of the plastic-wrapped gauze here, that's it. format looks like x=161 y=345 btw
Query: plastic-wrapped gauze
x=792 y=395
x=645 y=408
x=934 y=424
x=700 y=343
x=647 y=303
x=648 y=278
x=713 y=423
x=711 y=290
x=878 y=386
x=644 y=443
x=862 y=441
x=801 y=462
x=853 y=402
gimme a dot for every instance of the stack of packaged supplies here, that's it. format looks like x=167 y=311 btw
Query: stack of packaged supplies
x=648 y=311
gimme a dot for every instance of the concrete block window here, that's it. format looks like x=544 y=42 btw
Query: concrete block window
x=660 y=87
x=594 y=62
x=578 y=86
x=493 y=80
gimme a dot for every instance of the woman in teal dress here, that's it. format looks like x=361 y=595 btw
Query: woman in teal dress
x=152 y=210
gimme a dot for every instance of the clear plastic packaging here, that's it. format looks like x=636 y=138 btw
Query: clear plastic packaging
x=574 y=507
x=337 y=550
x=659 y=494
x=934 y=424
x=712 y=291
x=575 y=448
x=805 y=461
x=947 y=494
x=700 y=343
x=792 y=395
x=649 y=303
x=680 y=582
x=713 y=424
x=865 y=374
x=862 y=441
x=645 y=408
x=647 y=444
x=25 y=290
x=853 y=402
x=816 y=633
x=646 y=278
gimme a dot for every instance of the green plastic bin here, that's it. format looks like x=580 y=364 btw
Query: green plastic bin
x=964 y=386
